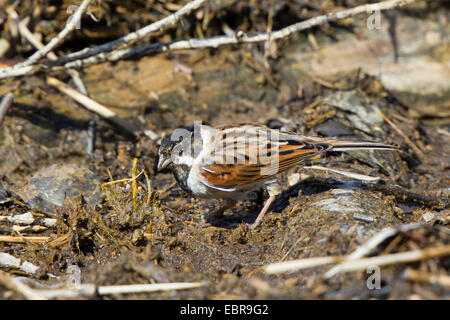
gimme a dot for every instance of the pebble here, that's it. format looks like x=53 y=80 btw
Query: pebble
x=51 y=185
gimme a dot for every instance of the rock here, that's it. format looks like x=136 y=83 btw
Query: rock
x=50 y=186
x=362 y=115
x=9 y=261
x=342 y=204
x=420 y=79
x=334 y=128
x=293 y=179
x=422 y=85
x=363 y=218
x=128 y=86
x=275 y=124
x=427 y=216
x=342 y=192
x=3 y=197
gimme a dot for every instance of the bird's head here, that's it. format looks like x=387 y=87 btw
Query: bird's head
x=176 y=148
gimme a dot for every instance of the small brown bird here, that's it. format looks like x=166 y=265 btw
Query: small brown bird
x=231 y=161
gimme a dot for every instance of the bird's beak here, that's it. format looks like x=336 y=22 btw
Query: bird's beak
x=163 y=162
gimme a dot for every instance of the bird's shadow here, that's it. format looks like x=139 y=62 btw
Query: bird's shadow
x=307 y=186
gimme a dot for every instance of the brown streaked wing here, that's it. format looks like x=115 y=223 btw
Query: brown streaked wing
x=219 y=173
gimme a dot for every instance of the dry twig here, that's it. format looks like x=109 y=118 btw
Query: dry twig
x=402 y=257
x=346 y=262
x=134 y=182
x=90 y=290
x=38 y=55
x=93 y=106
x=359 y=264
x=103 y=53
x=295 y=265
x=27 y=67
x=9 y=261
x=352 y=175
x=27 y=34
x=407 y=139
x=83 y=290
x=374 y=242
x=127 y=180
x=19 y=287
x=238 y=38
x=137 y=288
x=21 y=239
x=414 y=275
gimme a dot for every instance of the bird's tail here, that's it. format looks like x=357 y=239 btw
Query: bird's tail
x=346 y=145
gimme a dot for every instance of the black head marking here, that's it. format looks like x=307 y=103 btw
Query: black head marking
x=169 y=142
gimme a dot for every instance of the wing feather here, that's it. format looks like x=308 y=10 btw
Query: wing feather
x=246 y=154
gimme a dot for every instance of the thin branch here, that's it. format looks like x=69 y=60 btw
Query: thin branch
x=137 y=35
x=414 y=275
x=27 y=34
x=90 y=290
x=389 y=259
x=137 y=288
x=374 y=242
x=94 y=106
x=359 y=264
x=9 y=261
x=361 y=251
x=38 y=55
x=352 y=175
x=295 y=265
x=27 y=67
x=83 y=290
x=19 y=287
x=407 y=139
x=98 y=55
x=238 y=38
x=21 y=239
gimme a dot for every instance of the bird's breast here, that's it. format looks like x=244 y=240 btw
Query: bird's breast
x=181 y=173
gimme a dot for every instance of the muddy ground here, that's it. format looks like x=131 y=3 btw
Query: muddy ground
x=114 y=239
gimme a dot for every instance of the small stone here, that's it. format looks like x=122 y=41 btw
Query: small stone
x=363 y=218
x=342 y=204
x=3 y=197
x=342 y=192
x=293 y=179
x=433 y=38
x=275 y=124
x=50 y=186
x=137 y=237
x=334 y=128
x=362 y=115
x=428 y=216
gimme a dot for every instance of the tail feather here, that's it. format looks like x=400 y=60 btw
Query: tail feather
x=342 y=145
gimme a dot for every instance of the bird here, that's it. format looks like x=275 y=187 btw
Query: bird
x=231 y=162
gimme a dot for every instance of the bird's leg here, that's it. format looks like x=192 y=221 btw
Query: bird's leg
x=273 y=189
x=227 y=204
